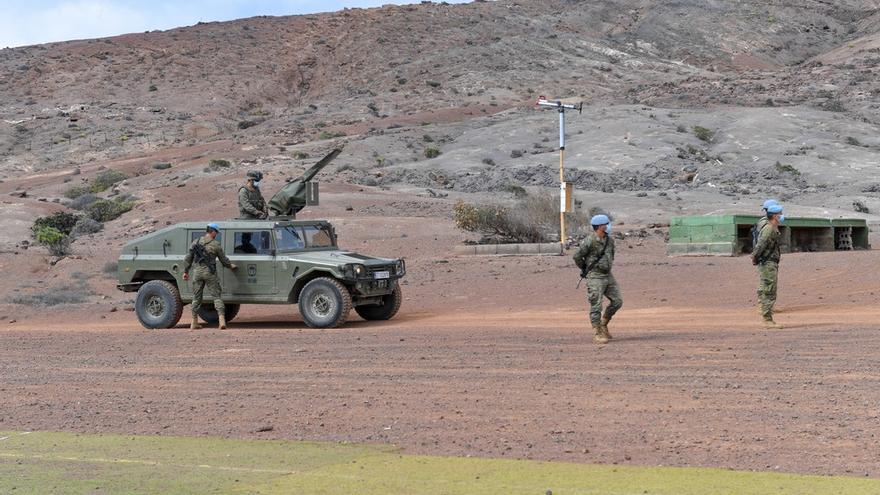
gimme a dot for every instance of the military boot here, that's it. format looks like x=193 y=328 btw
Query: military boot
x=770 y=323
x=222 y=321
x=604 y=327
x=195 y=323
x=599 y=336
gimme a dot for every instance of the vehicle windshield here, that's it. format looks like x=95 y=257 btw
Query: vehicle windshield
x=319 y=236
x=290 y=238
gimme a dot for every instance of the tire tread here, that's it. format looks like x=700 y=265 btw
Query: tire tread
x=346 y=302
x=177 y=304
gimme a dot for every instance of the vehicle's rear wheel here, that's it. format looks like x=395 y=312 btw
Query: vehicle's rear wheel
x=386 y=310
x=158 y=304
x=208 y=313
x=324 y=303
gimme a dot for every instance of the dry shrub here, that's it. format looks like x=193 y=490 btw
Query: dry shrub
x=533 y=218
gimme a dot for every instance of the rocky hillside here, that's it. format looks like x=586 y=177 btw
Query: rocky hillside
x=288 y=80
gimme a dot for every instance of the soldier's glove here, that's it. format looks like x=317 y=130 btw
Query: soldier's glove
x=185 y=276
x=233 y=267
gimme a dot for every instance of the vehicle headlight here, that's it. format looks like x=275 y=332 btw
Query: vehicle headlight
x=400 y=268
x=353 y=270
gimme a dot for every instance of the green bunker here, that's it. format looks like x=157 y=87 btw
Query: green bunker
x=730 y=235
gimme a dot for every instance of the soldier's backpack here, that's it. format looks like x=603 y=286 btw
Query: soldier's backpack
x=755 y=234
x=200 y=255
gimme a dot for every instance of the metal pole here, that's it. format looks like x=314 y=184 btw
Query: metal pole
x=561 y=107
x=562 y=176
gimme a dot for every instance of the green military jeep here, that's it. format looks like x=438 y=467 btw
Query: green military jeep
x=280 y=261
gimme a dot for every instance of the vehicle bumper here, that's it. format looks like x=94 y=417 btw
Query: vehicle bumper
x=130 y=287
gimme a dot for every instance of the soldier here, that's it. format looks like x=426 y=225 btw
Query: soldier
x=756 y=231
x=766 y=256
x=246 y=246
x=251 y=204
x=204 y=254
x=594 y=258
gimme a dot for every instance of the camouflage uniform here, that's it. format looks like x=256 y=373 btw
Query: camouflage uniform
x=766 y=256
x=204 y=276
x=600 y=281
x=251 y=204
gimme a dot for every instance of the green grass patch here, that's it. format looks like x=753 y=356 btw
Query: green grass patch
x=62 y=463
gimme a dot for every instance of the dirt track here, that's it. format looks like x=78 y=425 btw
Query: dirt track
x=690 y=380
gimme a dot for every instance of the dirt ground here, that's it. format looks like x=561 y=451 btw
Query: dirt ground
x=490 y=357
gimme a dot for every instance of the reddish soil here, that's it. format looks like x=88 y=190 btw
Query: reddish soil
x=490 y=357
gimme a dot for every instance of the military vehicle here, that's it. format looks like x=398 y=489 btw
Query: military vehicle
x=280 y=260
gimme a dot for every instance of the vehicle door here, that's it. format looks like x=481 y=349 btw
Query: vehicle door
x=253 y=250
x=186 y=287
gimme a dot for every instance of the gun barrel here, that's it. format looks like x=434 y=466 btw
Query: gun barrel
x=297 y=194
x=323 y=162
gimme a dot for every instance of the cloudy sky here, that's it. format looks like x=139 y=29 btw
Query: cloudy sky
x=28 y=22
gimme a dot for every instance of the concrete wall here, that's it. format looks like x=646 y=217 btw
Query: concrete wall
x=509 y=249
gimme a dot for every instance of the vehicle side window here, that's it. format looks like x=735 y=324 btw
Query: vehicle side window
x=289 y=238
x=253 y=242
x=194 y=236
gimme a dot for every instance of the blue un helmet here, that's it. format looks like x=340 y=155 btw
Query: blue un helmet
x=214 y=227
x=600 y=220
x=769 y=203
x=776 y=210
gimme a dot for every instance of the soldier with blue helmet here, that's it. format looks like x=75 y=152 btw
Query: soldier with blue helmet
x=766 y=256
x=763 y=220
x=595 y=258
x=203 y=254
x=756 y=229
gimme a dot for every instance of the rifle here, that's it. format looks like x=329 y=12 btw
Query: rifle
x=200 y=255
x=586 y=270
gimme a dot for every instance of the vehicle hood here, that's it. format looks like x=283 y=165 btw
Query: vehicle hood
x=335 y=258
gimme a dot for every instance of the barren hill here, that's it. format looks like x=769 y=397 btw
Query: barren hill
x=786 y=90
x=356 y=69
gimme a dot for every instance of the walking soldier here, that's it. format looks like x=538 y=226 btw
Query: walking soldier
x=595 y=258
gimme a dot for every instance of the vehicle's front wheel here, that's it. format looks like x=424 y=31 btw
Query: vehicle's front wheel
x=158 y=304
x=324 y=303
x=208 y=313
x=386 y=310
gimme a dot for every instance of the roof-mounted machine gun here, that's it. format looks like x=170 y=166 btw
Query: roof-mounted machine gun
x=300 y=192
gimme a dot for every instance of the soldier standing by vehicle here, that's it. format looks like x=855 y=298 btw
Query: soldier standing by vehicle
x=204 y=254
x=251 y=204
x=766 y=257
x=595 y=258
